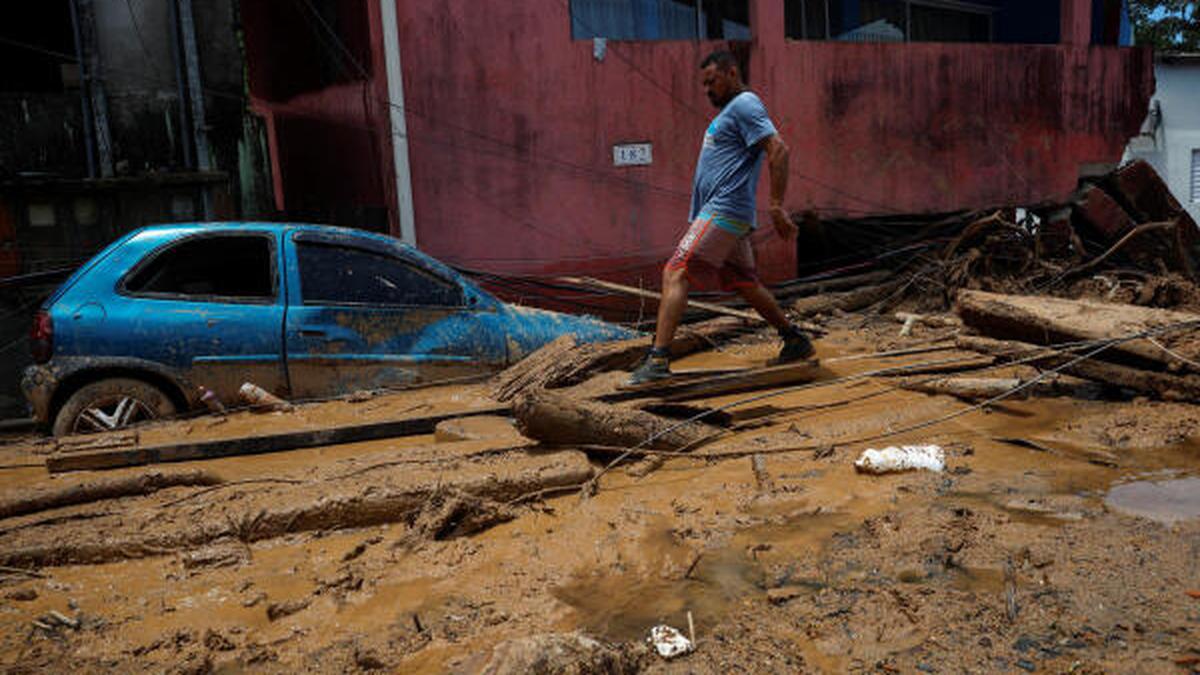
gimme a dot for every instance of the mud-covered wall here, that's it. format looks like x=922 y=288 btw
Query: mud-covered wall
x=511 y=127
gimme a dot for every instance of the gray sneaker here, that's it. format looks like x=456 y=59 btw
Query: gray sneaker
x=796 y=347
x=651 y=369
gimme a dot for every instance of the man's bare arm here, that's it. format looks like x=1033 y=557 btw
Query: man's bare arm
x=777 y=166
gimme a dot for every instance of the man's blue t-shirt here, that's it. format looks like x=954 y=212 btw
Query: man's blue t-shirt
x=730 y=162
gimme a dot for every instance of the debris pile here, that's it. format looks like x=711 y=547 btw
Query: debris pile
x=1154 y=352
x=1122 y=237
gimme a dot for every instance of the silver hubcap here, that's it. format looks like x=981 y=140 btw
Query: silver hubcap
x=116 y=414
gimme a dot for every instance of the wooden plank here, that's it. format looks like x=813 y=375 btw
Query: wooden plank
x=696 y=304
x=642 y=293
x=1048 y=320
x=1168 y=386
x=673 y=389
x=252 y=445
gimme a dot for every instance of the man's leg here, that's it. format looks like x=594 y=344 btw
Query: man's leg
x=764 y=303
x=675 y=281
x=739 y=274
x=657 y=364
x=671 y=306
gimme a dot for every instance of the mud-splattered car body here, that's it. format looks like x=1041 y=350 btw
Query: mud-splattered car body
x=302 y=310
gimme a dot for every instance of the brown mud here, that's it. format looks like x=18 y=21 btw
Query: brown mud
x=411 y=555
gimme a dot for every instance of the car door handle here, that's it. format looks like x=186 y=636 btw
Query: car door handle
x=311 y=332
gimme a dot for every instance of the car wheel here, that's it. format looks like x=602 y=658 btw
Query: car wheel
x=111 y=404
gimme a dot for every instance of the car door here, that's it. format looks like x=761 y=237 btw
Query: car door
x=209 y=305
x=364 y=313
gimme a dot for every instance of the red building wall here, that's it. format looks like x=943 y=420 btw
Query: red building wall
x=511 y=125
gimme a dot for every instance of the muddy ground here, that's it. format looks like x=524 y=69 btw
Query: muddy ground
x=1077 y=555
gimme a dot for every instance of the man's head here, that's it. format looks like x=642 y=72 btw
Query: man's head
x=722 y=77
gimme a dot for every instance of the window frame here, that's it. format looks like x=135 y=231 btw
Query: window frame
x=1194 y=176
x=378 y=250
x=697 y=35
x=953 y=5
x=148 y=259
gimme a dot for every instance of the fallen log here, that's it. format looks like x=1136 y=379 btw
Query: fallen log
x=683 y=388
x=1047 y=320
x=983 y=388
x=251 y=445
x=44 y=499
x=848 y=301
x=970 y=388
x=1160 y=385
x=563 y=363
x=395 y=495
x=562 y=420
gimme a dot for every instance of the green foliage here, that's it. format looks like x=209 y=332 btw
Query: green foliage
x=1166 y=25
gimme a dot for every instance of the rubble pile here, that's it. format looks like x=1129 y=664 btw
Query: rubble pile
x=1121 y=238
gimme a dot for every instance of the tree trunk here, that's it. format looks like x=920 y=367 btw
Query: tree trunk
x=555 y=418
x=1161 y=385
x=1046 y=320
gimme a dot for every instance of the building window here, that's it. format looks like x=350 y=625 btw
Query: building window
x=660 y=19
x=37 y=47
x=1196 y=176
x=922 y=21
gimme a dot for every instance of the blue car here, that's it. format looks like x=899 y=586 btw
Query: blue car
x=304 y=311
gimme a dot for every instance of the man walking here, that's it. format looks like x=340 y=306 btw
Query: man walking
x=716 y=246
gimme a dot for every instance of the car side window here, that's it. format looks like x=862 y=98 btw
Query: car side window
x=236 y=267
x=331 y=274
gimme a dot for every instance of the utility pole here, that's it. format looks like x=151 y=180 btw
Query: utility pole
x=191 y=58
x=395 y=82
x=94 y=82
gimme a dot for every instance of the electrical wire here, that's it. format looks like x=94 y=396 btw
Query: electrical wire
x=1100 y=346
x=329 y=37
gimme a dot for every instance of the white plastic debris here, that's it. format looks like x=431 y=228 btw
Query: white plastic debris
x=669 y=642
x=903 y=458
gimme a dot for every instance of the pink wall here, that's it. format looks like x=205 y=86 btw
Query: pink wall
x=511 y=126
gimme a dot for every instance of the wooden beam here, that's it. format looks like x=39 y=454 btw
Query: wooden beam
x=689 y=387
x=696 y=304
x=642 y=293
x=252 y=445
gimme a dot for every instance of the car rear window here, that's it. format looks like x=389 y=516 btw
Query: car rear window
x=233 y=267
x=342 y=275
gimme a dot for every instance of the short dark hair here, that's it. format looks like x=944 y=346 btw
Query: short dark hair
x=722 y=59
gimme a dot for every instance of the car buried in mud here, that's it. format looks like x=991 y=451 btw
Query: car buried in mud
x=142 y=329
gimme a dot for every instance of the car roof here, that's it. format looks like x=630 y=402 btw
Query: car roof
x=259 y=226
x=143 y=236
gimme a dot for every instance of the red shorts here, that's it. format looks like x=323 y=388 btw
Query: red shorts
x=712 y=257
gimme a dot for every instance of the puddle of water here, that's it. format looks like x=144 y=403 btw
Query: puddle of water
x=1163 y=501
x=625 y=607
x=982 y=580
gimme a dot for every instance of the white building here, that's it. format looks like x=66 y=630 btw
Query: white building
x=1170 y=138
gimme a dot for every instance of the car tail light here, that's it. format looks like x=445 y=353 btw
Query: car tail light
x=41 y=337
